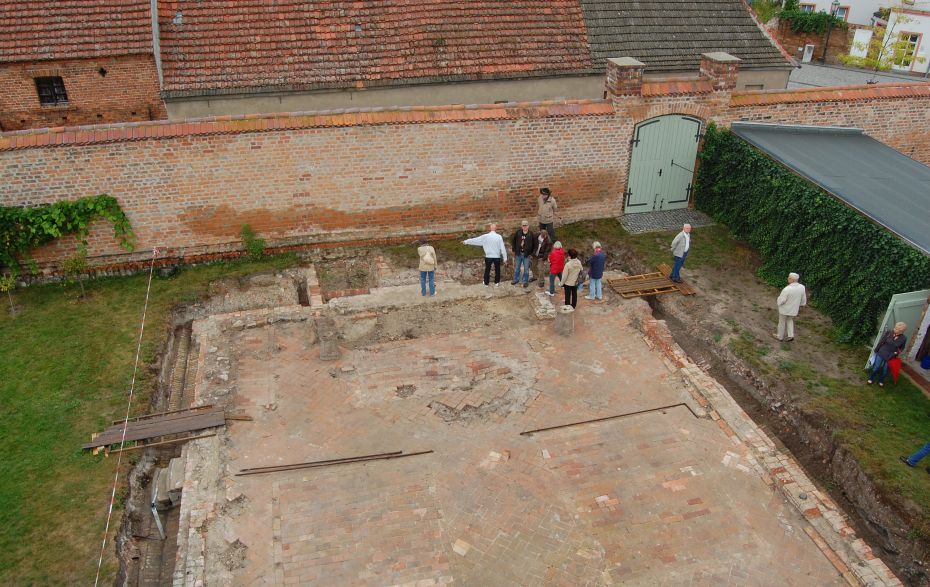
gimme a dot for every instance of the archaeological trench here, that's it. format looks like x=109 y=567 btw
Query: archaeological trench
x=265 y=346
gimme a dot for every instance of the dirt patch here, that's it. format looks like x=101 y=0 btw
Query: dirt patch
x=727 y=329
x=234 y=557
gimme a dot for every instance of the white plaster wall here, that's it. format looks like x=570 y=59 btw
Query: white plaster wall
x=916 y=21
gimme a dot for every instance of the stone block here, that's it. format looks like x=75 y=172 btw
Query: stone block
x=565 y=320
x=175 y=479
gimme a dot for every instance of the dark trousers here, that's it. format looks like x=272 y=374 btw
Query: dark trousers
x=550 y=228
x=571 y=295
x=488 y=261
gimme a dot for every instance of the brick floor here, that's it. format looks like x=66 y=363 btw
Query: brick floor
x=661 y=498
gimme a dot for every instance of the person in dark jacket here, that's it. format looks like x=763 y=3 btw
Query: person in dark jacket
x=596 y=264
x=540 y=255
x=889 y=346
x=523 y=243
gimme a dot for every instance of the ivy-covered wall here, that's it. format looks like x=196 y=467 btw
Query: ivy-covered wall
x=850 y=265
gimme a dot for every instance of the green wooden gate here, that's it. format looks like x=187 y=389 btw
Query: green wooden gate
x=662 y=165
x=904 y=307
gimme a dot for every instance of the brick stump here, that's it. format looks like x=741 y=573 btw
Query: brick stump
x=565 y=320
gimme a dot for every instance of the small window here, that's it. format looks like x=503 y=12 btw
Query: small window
x=905 y=49
x=51 y=90
x=808 y=7
x=842 y=13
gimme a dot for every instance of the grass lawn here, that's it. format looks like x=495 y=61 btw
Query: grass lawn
x=65 y=368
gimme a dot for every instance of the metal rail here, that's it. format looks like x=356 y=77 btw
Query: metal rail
x=605 y=418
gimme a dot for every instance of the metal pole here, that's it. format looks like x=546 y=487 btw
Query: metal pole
x=826 y=42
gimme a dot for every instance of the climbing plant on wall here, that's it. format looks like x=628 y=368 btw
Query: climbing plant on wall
x=25 y=228
x=850 y=265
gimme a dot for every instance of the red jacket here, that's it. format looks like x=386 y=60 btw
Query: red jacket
x=556 y=261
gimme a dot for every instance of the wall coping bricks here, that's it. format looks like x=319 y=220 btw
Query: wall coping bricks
x=219 y=125
x=834 y=94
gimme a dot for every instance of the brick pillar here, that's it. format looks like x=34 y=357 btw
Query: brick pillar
x=624 y=76
x=722 y=68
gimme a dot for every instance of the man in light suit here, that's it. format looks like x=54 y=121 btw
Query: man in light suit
x=789 y=303
x=681 y=244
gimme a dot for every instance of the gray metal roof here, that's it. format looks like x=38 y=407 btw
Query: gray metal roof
x=881 y=183
x=670 y=35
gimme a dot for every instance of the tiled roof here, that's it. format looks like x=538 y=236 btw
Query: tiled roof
x=670 y=35
x=159 y=129
x=228 y=46
x=831 y=94
x=35 y=30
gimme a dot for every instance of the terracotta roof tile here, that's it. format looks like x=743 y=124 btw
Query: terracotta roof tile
x=671 y=88
x=833 y=94
x=35 y=30
x=125 y=131
x=230 y=46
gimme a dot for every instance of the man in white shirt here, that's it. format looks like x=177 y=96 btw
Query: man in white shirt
x=494 y=253
x=789 y=303
x=681 y=244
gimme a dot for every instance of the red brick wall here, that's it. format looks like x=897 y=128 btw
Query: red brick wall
x=900 y=122
x=188 y=187
x=193 y=193
x=128 y=92
x=840 y=41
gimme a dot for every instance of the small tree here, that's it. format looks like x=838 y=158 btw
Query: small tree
x=885 y=48
x=7 y=283
x=75 y=267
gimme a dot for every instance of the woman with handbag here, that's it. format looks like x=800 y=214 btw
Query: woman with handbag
x=889 y=346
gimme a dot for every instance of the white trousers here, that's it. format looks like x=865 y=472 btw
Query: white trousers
x=785 y=323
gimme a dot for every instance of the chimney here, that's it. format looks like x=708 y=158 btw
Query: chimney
x=624 y=76
x=722 y=68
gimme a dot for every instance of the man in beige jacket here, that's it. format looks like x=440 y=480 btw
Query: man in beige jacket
x=792 y=297
x=547 y=211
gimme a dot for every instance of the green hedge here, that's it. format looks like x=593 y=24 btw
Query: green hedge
x=850 y=265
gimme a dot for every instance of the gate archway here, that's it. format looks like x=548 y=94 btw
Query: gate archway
x=662 y=163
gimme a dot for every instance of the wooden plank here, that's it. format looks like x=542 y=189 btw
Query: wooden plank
x=153 y=428
x=682 y=287
x=162 y=443
x=157 y=421
x=156 y=414
x=643 y=285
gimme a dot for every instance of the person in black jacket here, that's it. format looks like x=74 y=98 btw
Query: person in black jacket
x=889 y=346
x=523 y=243
x=541 y=249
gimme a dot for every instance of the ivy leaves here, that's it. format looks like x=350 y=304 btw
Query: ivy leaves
x=851 y=266
x=23 y=229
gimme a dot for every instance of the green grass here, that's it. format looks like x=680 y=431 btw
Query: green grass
x=878 y=425
x=65 y=368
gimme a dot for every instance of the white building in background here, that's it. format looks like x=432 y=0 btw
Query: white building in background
x=911 y=26
x=852 y=11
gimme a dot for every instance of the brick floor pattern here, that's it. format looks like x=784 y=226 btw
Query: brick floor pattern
x=661 y=498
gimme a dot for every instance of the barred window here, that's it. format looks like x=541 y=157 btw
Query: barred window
x=51 y=90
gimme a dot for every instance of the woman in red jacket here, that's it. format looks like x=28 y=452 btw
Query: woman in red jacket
x=556 y=264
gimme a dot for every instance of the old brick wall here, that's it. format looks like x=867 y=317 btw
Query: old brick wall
x=370 y=178
x=840 y=42
x=188 y=187
x=900 y=119
x=128 y=91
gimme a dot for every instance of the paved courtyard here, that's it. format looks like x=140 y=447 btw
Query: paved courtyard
x=659 y=498
x=812 y=75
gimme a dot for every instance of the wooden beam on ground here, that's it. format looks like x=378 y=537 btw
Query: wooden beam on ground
x=162 y=443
